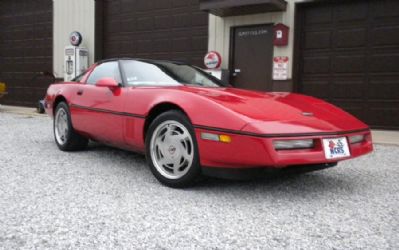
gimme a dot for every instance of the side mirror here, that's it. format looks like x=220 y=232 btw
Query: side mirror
x=107 y=82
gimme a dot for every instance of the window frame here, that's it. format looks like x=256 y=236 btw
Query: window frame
x=81 y=76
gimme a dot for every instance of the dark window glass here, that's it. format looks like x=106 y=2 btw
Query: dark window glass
x=166 y=74
x=108 y=69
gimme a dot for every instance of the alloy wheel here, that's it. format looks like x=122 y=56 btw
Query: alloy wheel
x=172 y=149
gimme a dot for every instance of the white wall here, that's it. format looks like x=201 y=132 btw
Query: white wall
x=71 y=15
x=219 y=31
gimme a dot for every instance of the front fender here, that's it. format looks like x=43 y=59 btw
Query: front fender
x=200 y=110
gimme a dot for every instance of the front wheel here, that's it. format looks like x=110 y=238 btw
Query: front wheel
x=172 y=151
x=65 y=136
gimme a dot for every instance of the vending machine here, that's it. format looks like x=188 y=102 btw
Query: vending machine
x=76 y=59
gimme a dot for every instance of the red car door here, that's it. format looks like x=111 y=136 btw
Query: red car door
x=96 y=111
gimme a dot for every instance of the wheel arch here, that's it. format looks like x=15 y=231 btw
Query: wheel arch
x=158 y=109
x=57 y=100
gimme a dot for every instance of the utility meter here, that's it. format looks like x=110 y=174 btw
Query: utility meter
x=76 y=59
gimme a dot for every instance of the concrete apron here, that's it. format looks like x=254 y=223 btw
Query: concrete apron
x=19 y=110
x=389 y=137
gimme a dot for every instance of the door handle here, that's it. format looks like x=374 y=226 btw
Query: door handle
x=236 y=72
x=80 y=92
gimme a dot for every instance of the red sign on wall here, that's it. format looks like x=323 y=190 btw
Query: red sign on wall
x=212 y=60
x=281 y=32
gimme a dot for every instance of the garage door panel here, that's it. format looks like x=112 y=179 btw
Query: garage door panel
x=383 y=36
x=350 y=38
x=163 y=22
x=154 y=4
x=346 y=89
x=198 y=19
x=144 y=46
x=316 y=88
x=114 y=7
x=6 y=67
x=180 y=3
x=181 y=20
x=316 y=65
x=113 y=48
x=358 y=69
x=44 y=18
x=25 y=48
x=112 y=27
x=383 y=88
x=385 y=9
x=384 y=115
x=157 y=56
x=349 y=64
x=145 y=23
x=317 y=40
x=142 y=5
x=384 y=63
x=181 y=44
x=355 y=11
x=127 y=46
x=162 y=45
x=173 y=28
x=180 y=56
x=318 y=15
x=126 y=25
x=199 y=43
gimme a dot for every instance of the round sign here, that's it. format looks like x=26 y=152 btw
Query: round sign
x=213 y=60
x=75 y=38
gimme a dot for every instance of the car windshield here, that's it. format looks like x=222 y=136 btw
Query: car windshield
x=162 y=73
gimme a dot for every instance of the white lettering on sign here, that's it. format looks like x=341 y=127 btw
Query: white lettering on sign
x=279 y=34
x=69 y=52
x=252 y=33
x=212 y=60
x=280 y=68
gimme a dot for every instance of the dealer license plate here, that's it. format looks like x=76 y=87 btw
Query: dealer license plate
x=336 y=148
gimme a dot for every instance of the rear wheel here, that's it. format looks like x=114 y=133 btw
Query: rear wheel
x=172 y=151
x=65 y=136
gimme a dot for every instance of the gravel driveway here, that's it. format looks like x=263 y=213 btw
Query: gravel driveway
x=107 y=198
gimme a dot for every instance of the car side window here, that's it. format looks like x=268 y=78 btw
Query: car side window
x=107 y=69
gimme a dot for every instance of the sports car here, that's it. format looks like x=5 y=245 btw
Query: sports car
x=188 y=123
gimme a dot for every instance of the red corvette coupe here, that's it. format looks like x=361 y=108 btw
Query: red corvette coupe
x=188 y=122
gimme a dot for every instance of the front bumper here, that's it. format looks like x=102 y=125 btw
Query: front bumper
x=253 y=151
x=256 y=173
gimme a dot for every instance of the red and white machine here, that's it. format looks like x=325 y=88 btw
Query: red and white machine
x=76 y=59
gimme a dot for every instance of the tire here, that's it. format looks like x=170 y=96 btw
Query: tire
x=172 y=150
x=65 y=136
x=40 y=107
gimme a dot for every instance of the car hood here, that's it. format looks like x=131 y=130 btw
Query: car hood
x=281 y=112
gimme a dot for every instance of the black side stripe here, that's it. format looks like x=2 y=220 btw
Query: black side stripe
x=237 y=132
x=108 y=111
